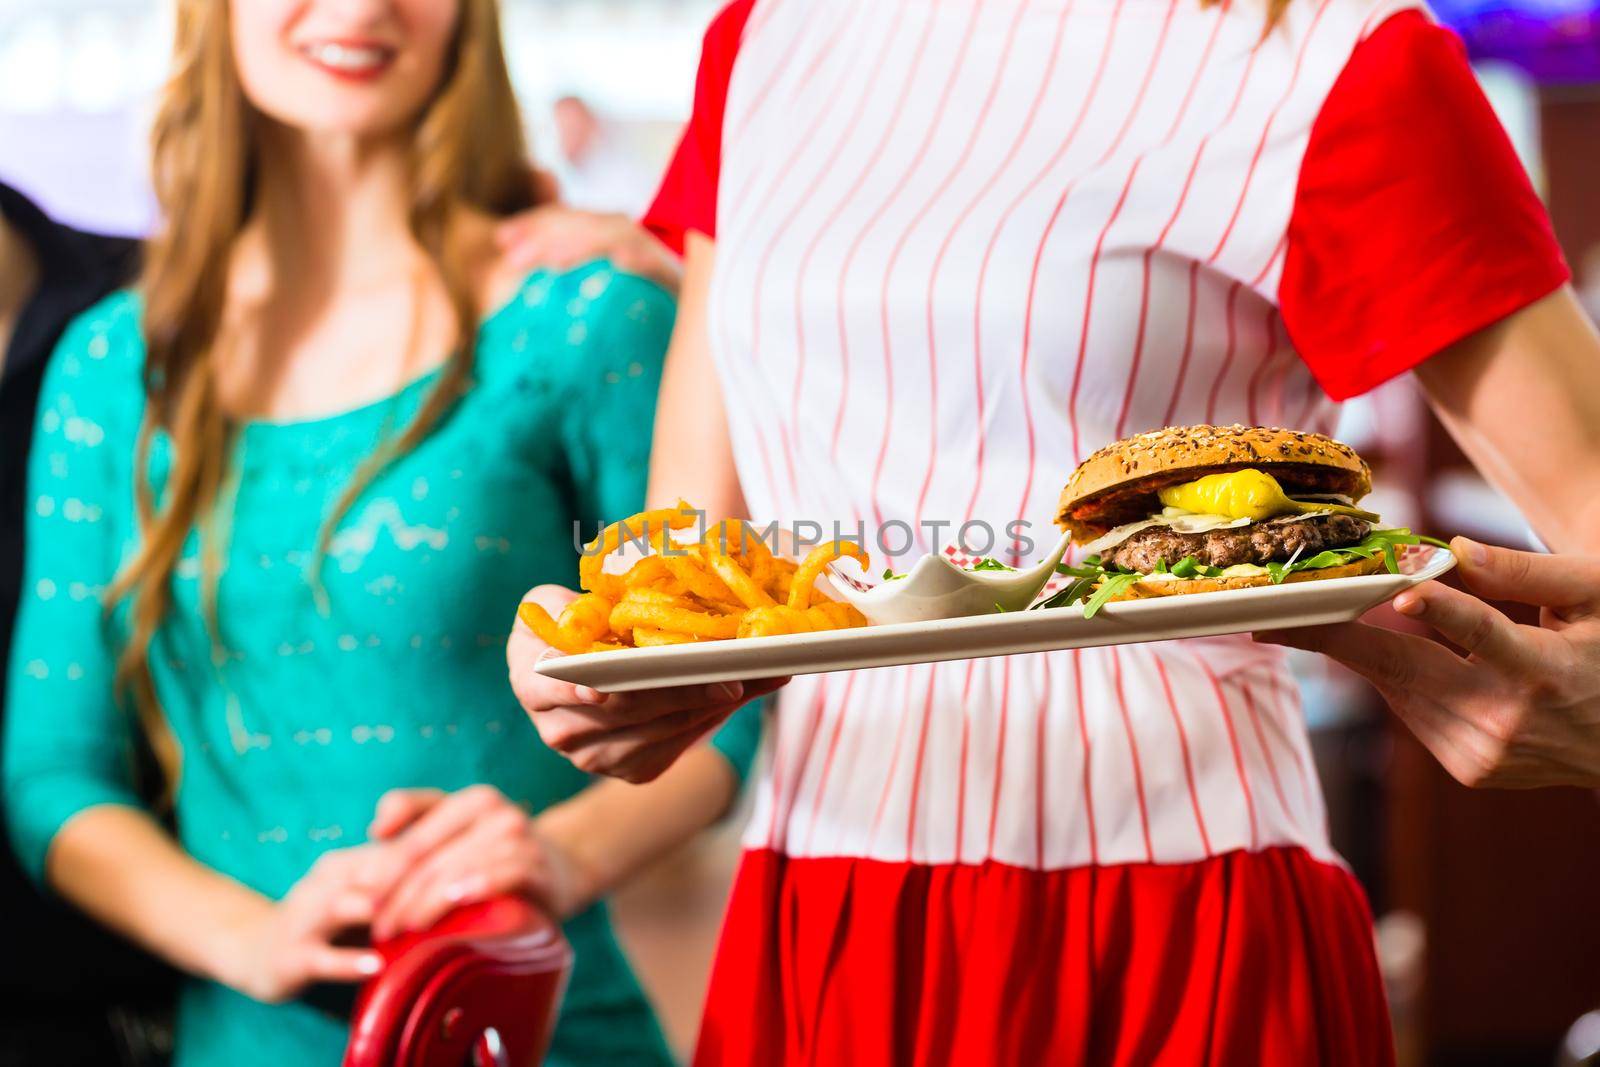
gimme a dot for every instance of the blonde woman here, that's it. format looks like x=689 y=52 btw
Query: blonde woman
x=307 y=471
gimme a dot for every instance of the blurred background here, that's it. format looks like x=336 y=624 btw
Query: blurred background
x=1488 y=904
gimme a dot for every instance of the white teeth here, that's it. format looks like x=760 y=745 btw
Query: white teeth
x=344 y=57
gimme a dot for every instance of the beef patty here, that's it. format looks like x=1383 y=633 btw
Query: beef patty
x=1275 y=539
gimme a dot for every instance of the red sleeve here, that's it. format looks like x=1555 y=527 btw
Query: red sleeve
x=687 y=199
x=1414 y=223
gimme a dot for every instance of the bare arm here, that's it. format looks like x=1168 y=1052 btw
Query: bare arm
x=118 y=865
x=637 y=736
x=122 y=868
x=692 y=457
x=612 y=830
x=1522 y=708
x=1522 y=398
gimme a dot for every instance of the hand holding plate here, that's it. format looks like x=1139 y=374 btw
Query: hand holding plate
x=634 y=736
x=1522 y=708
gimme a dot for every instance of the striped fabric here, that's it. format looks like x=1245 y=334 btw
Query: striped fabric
x=960 y=246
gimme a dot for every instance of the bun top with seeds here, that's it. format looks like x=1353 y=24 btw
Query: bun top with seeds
x=1120 y=483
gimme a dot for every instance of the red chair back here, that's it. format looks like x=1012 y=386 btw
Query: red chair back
x=479 y=989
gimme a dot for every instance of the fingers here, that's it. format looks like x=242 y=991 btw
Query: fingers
x=1386 y=658
x=523 y=647
x=510 y=232
x=1412 y=673
x=539 y=692
x=605 y=738
x=642 y=753
x=562 y=727
x=399 y=808
x=326 y=963
x=756 y=688
x=647 y=762
x=560 y=237
x=1528 y=577
x=497 y=855
x=1451 y=739
x=386 y=867
x=348 y=909
x=526 y=241
x=1472 y=624
x=455 y=877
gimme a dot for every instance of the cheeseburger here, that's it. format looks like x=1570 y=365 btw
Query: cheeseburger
x=1194 y=509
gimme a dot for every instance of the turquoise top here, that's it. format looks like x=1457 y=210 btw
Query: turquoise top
x=307 y=715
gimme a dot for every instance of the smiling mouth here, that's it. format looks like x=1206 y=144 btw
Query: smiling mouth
x=349 y=60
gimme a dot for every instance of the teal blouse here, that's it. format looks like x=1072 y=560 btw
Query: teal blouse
x=310 y=707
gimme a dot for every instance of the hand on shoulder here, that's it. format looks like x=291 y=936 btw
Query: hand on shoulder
x=559 y=238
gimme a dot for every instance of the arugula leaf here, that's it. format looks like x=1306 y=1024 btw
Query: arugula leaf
x=890 y=576
x=1069 y=594
x=1109 y=588
x=1100 y=582
x=989 y=563
x=1090 y=567
x=1376 y=543
x=1277 y=572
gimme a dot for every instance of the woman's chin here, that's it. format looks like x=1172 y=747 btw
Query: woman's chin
x=344 y=119
x=320 y=105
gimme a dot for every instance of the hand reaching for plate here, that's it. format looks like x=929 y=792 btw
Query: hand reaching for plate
x=634 y=736
x=1522 y=708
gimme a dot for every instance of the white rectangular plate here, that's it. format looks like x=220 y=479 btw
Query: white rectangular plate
x=1228 y=611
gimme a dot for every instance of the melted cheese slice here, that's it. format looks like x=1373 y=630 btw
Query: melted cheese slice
x=1174 y=518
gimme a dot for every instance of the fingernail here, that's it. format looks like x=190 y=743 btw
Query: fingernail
x=548 y=653
x=1410 y=604
x=370 y=964
x=456 y=892
x=727 y=691
x=590 y=696
x=1475 y=552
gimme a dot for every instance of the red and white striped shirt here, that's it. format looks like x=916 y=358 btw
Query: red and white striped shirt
x=961 y=245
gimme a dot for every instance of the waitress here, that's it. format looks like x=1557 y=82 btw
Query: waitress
x=937 y=253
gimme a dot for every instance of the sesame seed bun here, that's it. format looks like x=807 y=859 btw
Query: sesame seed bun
x=1146 y=589
x=1118 y=484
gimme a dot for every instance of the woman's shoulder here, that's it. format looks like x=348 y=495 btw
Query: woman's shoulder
x=592 y=290
x=115 y=319
x=102 y=349
x=586 y=316
x=93 y=392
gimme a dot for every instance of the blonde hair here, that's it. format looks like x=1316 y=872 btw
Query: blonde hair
x=466 y=150
x=1275 y=10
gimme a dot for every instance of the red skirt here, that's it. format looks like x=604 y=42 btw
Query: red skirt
x=1247 y=958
